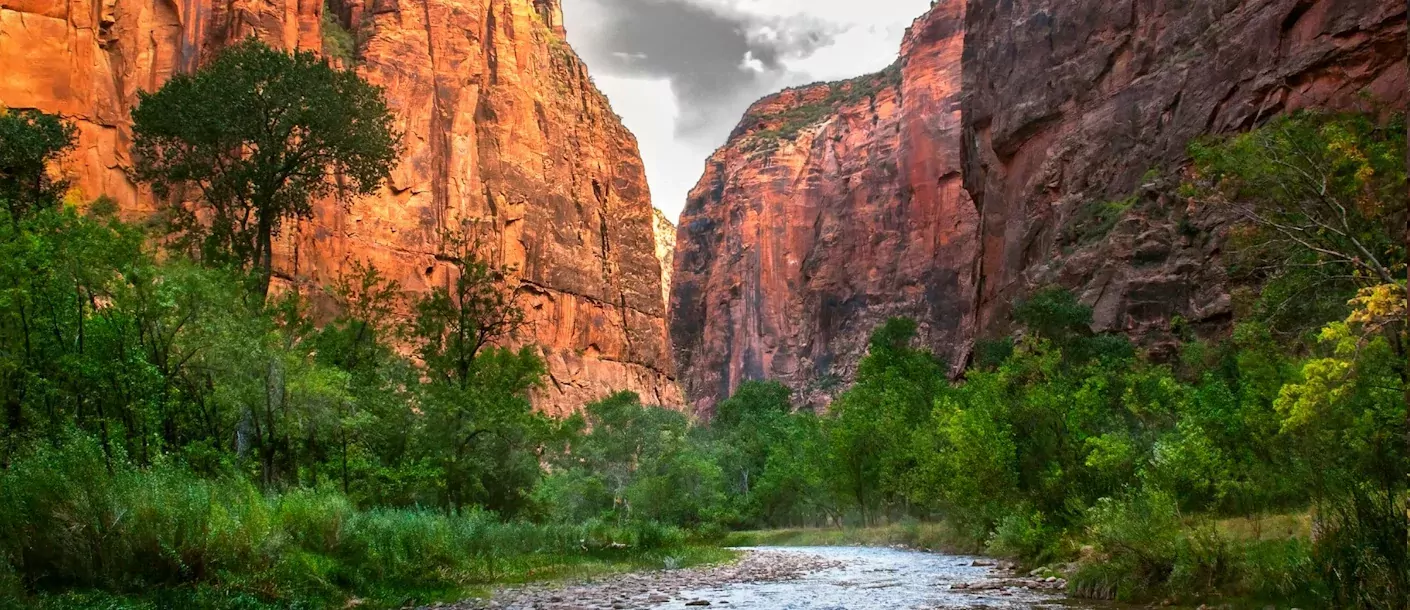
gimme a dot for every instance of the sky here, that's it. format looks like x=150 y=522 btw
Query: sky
x=681 y=73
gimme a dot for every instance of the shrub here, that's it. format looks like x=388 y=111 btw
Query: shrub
x=1361 y=550
x=1025 y=535
x=1139 y=537
x=337 y=40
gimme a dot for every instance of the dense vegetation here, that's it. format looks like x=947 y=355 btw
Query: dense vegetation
x=1063 y=445
x=177 y=429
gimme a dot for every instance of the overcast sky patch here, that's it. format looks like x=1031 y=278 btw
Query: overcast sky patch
x=682 y=72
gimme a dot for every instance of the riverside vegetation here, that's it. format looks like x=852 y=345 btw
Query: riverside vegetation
x=176 y=432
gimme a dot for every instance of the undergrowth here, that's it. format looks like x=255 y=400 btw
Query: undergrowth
x=81 y=535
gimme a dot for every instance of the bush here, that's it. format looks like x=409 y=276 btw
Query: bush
x=74 y=523
x=1138 y=537
x=1362 y=550
x=1026 y=536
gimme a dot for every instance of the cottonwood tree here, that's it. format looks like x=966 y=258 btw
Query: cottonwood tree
x=1323 y=200
x=29 y=141
x=481 y=424
x=259 y=134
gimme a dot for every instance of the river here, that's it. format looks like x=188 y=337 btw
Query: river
x=797 y=578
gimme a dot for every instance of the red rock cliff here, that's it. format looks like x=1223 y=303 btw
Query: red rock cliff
x=971 y=177
x=504 y=130
x=1070 y=103
x=832 y=208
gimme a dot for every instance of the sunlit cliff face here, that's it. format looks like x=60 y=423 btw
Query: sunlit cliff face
x=504 y=133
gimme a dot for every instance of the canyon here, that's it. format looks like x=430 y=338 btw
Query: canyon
x=506 y=139
x=1015 y=144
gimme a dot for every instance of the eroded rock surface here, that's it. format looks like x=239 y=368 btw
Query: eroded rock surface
x=665 y=251
x=504 y=132
x=971 y=176
x=1073 y=106
x=832 y=208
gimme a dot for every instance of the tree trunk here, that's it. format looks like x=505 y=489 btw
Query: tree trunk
x=264 y=253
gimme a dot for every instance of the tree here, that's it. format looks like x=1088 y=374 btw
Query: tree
x=476 y=395
x=1321 y=200
x=29 y=141
x=260 y=134
x=873 y=423
x=635 y=462
x=758 y=445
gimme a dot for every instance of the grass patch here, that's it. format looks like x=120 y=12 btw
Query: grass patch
x=1268 y=527
x=1093 y=221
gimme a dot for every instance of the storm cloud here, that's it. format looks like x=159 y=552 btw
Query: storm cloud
x=682 y=72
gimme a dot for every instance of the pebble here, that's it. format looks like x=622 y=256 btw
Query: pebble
x=643 y=590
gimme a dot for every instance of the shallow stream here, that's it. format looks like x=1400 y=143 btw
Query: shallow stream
x=796 y=578
x=871 y=578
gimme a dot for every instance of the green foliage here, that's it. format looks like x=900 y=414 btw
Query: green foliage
x=258 y=135
x=29 y=141
x=789 y=122
x=1091 y=222
x=870 y=430
x=1321 y=199
x=338 y=42
x=1053 y=313
x=1024 y=535
x=634 y=462
x=772 y=459
x=76 y=521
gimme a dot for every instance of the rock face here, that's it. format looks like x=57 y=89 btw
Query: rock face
x=1071 y=108
x=832 y=208
x=504 y=133
x=665 y=251
x=1012 y=149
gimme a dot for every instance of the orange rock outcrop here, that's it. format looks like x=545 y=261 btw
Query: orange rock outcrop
x=504 y=133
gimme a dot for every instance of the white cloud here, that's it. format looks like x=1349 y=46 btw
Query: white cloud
x=752 y=63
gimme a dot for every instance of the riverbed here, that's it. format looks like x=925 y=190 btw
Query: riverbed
x=799 y=578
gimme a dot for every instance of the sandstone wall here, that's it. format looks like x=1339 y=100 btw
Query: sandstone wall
x=832 y=208
x=956 y=188
x=665 y=251
x=1070 y=103
x=504 y=131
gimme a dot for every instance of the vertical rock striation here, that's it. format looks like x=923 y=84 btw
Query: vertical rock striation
x=943 y=190
x=832 y=208
x=504 y=132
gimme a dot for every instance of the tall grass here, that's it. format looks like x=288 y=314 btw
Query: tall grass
x=909 y=533
x=70 y=522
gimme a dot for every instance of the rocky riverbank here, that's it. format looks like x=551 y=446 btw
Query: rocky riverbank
x=856 y=578
x=651 y=589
